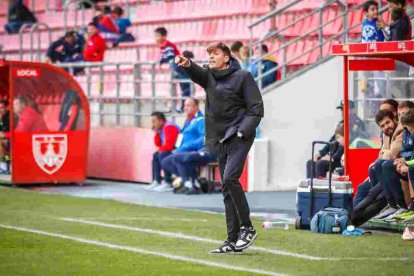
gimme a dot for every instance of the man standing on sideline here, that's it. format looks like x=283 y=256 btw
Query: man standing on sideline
x=234 y=108
x=166 y=134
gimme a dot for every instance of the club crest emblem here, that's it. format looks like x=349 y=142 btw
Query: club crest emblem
x=50 y=151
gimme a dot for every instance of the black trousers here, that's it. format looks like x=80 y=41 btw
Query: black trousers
x=321 y=168
x=370 y=206
x=231 y=158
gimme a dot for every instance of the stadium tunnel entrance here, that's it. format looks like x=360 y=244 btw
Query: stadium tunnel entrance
x=49 y=123
x=372 y=73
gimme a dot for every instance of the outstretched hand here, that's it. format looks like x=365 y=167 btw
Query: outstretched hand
x=182 y=61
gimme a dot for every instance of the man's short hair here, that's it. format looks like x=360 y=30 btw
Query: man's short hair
x=406 y=104
x=195 y=101
x=118 y=11
x=161 y=31
x=93 y=24
x=382 y=114
x=70 y=34
x=398 y=2
x=235 y=46
x=219 y=45
x=188 y=54
x=265 y=49
x=368 y=4
x=392 y=103
x=408 y=118
x=160 y=116
x=397 y=14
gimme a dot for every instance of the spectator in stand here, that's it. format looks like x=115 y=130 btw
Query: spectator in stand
x=166 y=134
x=246 y=60
x=106 y=24
x=404 y=24
x=235 y=50
x=29 y=117
x=18 y=15
x=186 y=164
x=168 y=52
x=397 y=31
x=268 y=65
x=4 y=136
x=66 y=49
x=122 y=23
x=370 y=31
x=95 y=45
x=191 y=139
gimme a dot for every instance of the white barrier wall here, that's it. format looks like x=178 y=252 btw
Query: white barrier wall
x=297 y=113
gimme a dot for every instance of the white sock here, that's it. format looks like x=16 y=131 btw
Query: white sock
x=188 y=184
x=196 y=184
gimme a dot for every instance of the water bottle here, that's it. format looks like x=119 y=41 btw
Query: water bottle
x=275 y=224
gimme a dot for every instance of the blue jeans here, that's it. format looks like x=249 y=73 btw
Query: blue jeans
x=362 y=192
x=157 y=159
x=186 y=163
x=390 y=180
x=13 y=27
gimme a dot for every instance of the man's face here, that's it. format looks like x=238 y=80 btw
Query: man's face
x=159 y=39
x=372 y=12
x=218 y=60
x=388 y=126
x=190 y=108
x=156 y=123
x=403 y=110
x=92 y=30
x=3 y=109
x=70 y=39
x=17 y=106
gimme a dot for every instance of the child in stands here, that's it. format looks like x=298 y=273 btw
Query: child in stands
x=370 y=31
x=398 y=29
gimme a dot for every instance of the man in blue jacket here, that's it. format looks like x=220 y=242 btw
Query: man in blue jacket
x=190 y=139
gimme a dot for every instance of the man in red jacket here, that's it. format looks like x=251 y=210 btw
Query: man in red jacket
x=95 y=45
x=29 y=117
x=166 y=134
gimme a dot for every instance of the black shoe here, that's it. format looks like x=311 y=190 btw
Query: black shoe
x=247 y=236
x=193 y=191
x=183 y=189
x=226 y=248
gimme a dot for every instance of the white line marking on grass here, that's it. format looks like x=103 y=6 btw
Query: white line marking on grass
x=199 y=239
x=141 y=251
x=189 y=237
x=146 y=218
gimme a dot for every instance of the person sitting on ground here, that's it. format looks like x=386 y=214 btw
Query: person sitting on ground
x=191 y=139
x=166 y=134
x=29 y=117
x=95 y=45
x=18 y=15
x=4 y=136
x=268 y=64
x=235 y=50
x=186 y=164
x=122 y=23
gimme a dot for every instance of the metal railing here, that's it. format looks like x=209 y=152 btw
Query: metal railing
x=317 y=31
x=78 y=6
x=115 y=91
x=33 y=28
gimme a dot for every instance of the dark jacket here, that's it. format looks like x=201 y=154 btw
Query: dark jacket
x=233 y=102
x=399 y=30
x=407 y=148
x=5 y=122
x=19 y=12
x=69 y=50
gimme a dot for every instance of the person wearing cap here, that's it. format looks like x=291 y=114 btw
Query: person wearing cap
x=234 y=108
x=66 y=49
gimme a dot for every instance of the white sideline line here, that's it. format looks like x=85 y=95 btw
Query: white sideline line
x=199 y=239
x=146 y=218
x=189 y=237
x=141 y=251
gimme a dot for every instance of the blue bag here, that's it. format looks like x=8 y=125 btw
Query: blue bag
x=330 y=220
